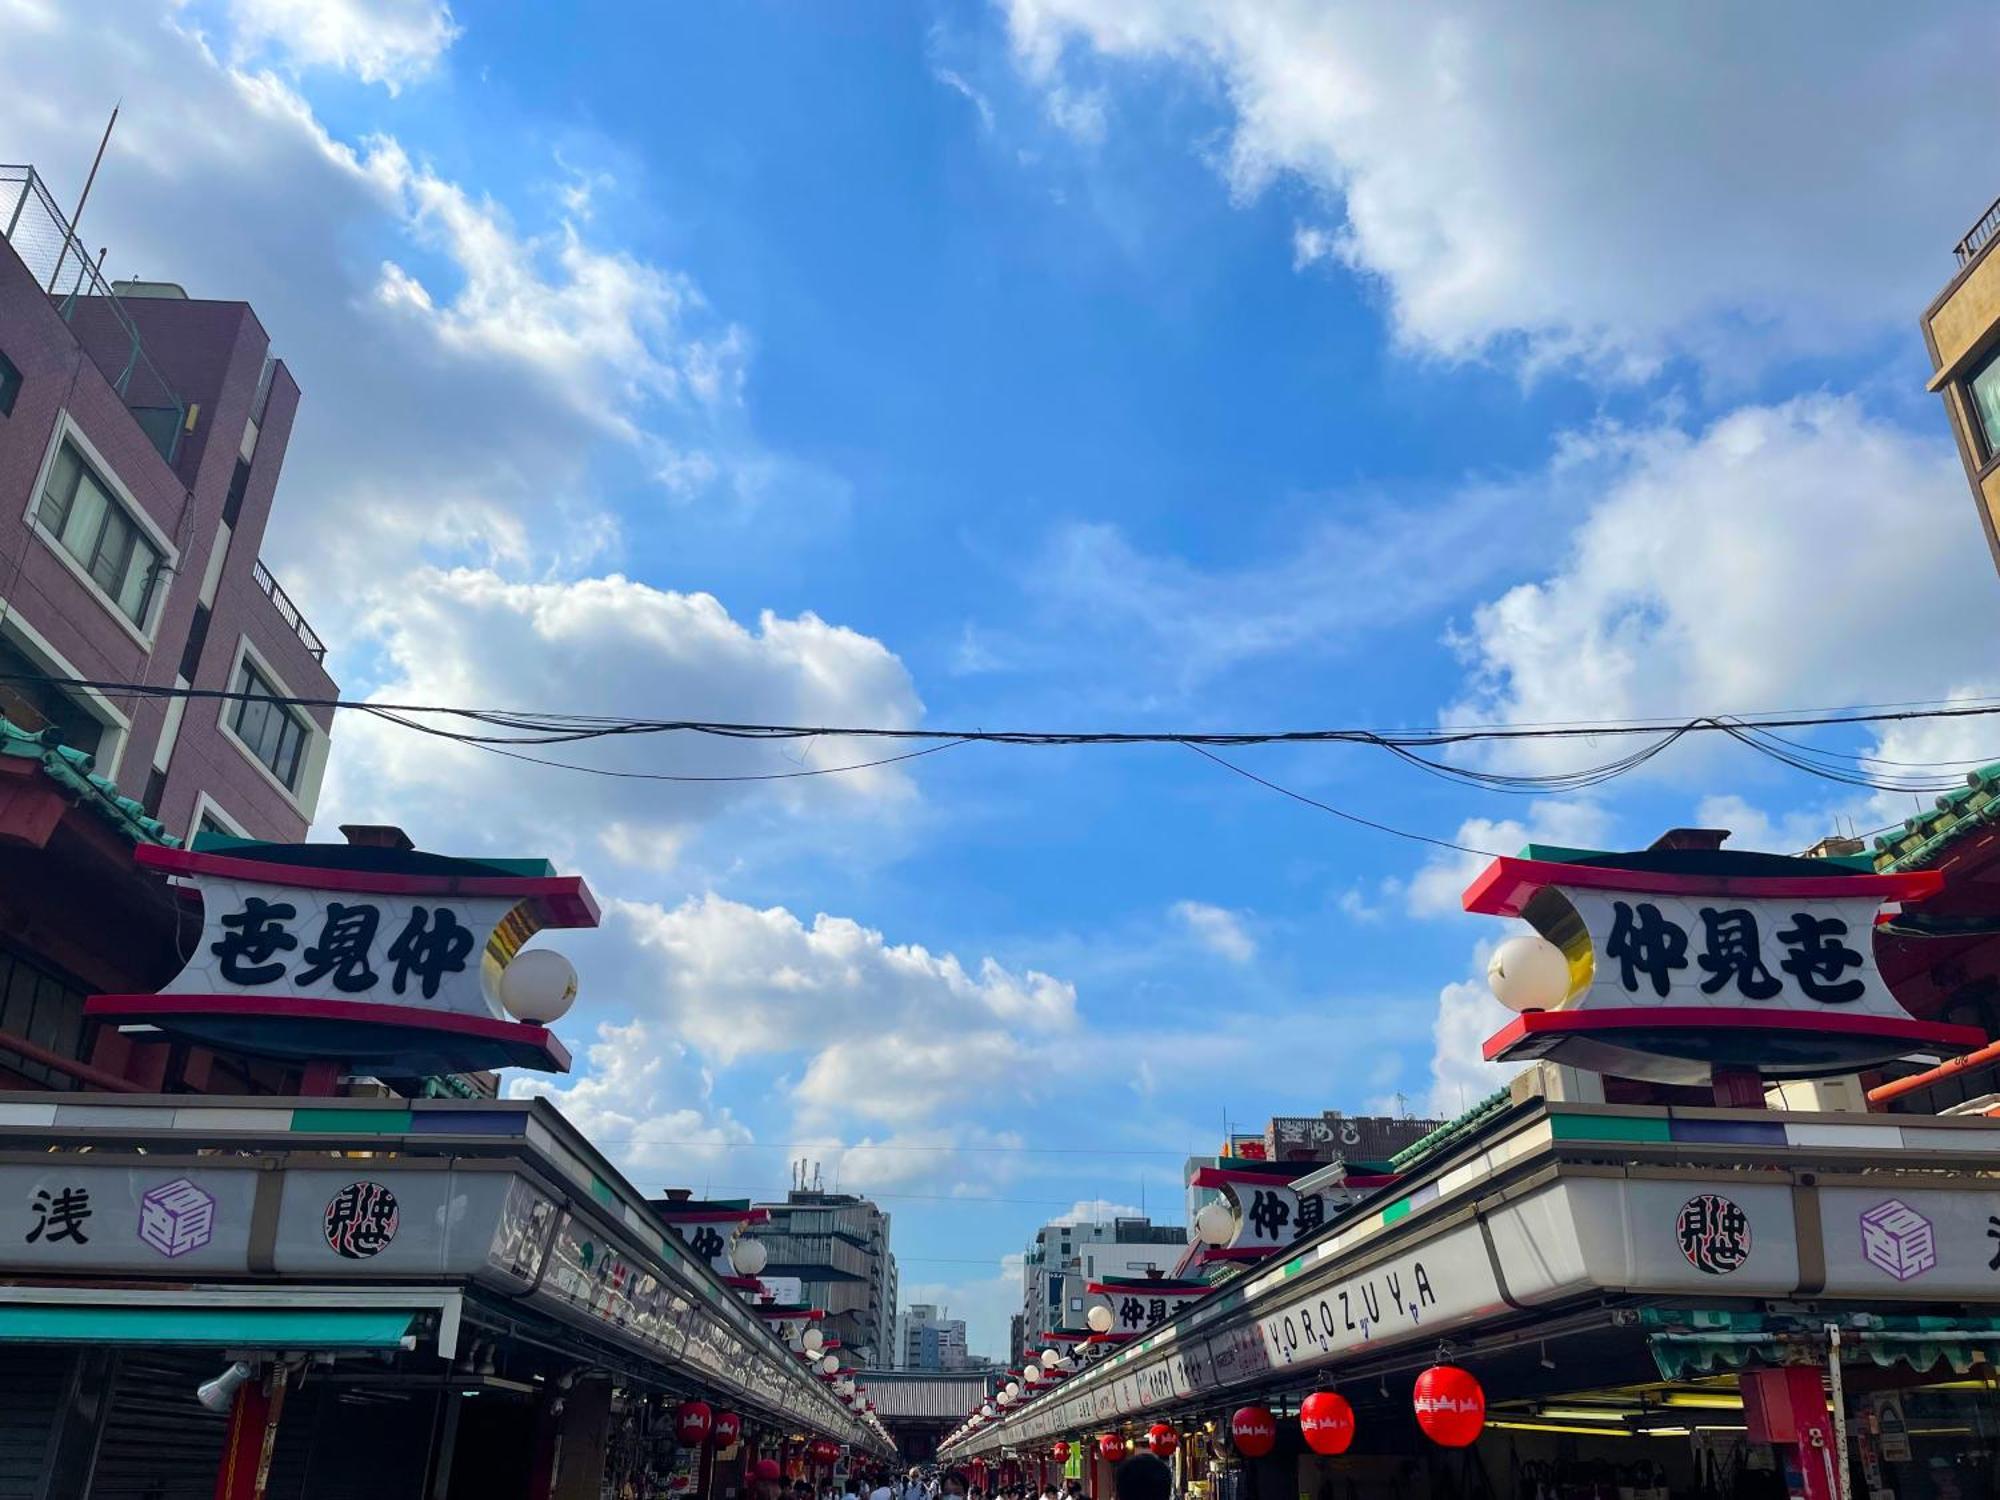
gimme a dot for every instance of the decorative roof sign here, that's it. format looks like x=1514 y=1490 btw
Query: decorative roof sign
x=387 y=960
x=1668 y=963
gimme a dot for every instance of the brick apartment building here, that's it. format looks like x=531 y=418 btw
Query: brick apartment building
x=141 y=436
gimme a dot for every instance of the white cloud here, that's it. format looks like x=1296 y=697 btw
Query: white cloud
x=1467 y=1015
x=1217 y=929
x=959 y=84
x=738 y=981
x=1437 y=890
x=1096 y=1211
x=644 y=1102
x=1591 y=181
x=471 y=637
x=390 y=42
x=1786 y=556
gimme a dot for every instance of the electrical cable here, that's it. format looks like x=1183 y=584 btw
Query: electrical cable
x=515 y=728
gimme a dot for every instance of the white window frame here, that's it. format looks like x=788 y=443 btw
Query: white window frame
x=207 y=806
x=144 y=632
x=312 y=765
x=117 y=724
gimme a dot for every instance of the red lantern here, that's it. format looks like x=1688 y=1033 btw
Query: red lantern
x=1254 y=1430
x=728 y=1427
x=1162 y=1440
x=691 y=1423
x=1326 y=1422
x=1060 y=1453
x=1112 y=1446
x=1451 y=1406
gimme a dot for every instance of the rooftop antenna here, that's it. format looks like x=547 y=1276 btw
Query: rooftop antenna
x=84 y=196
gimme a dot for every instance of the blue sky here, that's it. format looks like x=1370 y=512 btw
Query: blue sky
x=1063 y=364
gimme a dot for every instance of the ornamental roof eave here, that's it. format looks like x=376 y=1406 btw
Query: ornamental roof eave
x=1930 y=837
x=73 y=770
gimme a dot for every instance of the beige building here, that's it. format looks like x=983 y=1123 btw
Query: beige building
x=1962 y=330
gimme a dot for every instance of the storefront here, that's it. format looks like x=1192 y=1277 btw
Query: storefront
x=1557 y=1297
x=424 y=1298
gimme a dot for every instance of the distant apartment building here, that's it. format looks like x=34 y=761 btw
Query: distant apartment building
x=141 y=436
x=1962 y=331
x=837 y=1246
x=1066 y=1257
x=927 y=1339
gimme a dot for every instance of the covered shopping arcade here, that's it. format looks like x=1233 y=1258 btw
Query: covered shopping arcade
x=416 y=1298
x=1545 y=1248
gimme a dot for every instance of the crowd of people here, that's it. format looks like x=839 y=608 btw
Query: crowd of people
x=1140 y=1477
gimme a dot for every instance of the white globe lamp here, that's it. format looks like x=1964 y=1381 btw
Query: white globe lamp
x=1033 y=1374
x=1215 y=1222
x=539 y=986
x=811 y=1340
x=1099 y=1319
x=1528 y=972
x=830 y=1363
x=749 y=1257
x=1013 y=1387
x=1051 y=1358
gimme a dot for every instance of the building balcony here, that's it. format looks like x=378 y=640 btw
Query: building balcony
x=1976 y=238
x=41 y=236
x=289 y=612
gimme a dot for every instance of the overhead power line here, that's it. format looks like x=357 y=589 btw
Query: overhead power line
x=508 y=731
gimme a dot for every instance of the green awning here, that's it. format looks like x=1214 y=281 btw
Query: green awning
x=212 y=1327
x=1690 y=1342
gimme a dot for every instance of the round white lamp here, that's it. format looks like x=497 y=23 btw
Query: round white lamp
x=1528 y=972
x=749 y=1256
x=811 y=1340
x=1215 y=1223
x=1051 y=1358
x=1033 y=1374
x=1099 y=1318
x=830 y=1363
x=539 y=986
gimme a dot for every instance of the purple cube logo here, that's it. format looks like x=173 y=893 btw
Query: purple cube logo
x=1897 y=1239
x=176 y=1217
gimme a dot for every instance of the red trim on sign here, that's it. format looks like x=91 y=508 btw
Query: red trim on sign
x=1503 y=887
x=291 y=1008
x=564 y=899
x=1224 y=1176
x=712 y=1216
x=1557 y=1023
x=1148 y=1288
x=1240 y=1252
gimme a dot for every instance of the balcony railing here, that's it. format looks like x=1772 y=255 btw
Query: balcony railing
x=64 y=269
x=288 y=611
x=1976 y=238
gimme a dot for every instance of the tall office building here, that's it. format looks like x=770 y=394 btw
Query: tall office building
x=1962 y=331
x=926 y=1339
x=837 y=1245
x=1066 y=1257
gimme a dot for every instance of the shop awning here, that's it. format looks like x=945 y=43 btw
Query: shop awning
x=1706 y=1342
x=306 y=1330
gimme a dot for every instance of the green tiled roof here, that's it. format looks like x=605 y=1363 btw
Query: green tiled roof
x=1451 y=1130
x=1922 y=839
x=70 y=768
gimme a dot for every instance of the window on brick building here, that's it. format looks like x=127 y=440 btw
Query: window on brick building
x=79 y=510
x=273 y=733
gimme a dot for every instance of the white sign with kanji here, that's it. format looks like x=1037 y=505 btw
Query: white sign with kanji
x=1726 y=952
x=294 y=942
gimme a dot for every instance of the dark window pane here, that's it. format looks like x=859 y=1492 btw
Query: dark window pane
x=10 y=385
x=1983 y=391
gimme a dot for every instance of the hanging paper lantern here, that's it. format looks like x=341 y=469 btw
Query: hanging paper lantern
x=692 y=1422
x=1451 y=1406
x=1112 y=1446
x=1060 y=1453
x=728 y=1426
x=1254 y=1430
x=1162 y=1440
x=1326 y=1422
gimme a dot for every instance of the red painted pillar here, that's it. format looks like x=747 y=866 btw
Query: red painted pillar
x=1787 y=1408
x=253 y=1428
